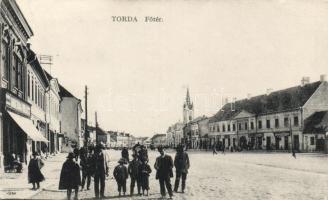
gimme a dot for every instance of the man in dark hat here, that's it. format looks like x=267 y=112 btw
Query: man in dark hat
x=164 y=165
x=100 y=168
x=133 y=170
x=70 y=177
x=182 y=164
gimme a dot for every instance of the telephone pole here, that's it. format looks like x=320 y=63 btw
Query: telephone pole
x=96 y=122
x=86 y=130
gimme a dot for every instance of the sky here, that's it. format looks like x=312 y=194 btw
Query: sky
x=138 y=73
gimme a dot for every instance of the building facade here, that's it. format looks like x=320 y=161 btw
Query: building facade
x=274 y=121
x=71 y=112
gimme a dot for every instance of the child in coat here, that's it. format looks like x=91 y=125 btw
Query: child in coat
x=121 y=174
x=144 y=172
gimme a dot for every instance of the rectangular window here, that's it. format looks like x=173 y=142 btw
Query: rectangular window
x=5 y=60
x=252 y=125
x=312 y=140
x=228 y=127
x=28 y=85
x=286 y=122
x=32 y=88
x=239 y=126
x=233 y=127
x=223 y=128
x=296 y=121
x=260 y=124
x=276 y=123
x=268 y=123
x=246 y=126
x=218 y=128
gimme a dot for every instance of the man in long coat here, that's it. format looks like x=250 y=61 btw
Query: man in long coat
x=182 y=164
x=164 y=165
x=100 y=168
x=70 y=177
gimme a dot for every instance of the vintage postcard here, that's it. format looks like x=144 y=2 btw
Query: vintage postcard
x=167 y=99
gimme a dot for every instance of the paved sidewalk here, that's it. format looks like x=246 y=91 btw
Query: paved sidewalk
x=16 y=186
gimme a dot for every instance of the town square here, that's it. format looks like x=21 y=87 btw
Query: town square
x=108 y=99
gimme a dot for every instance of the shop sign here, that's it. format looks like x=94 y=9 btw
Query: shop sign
x=17 y=105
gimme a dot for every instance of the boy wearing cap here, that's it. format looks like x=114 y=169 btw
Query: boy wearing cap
x=121 y=174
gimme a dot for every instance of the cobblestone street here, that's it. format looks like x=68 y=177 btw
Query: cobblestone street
x=229 y=176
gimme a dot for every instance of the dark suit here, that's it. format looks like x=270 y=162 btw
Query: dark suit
x=100 y=170
x=164 y=165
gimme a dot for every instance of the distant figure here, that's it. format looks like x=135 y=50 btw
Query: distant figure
x=76 y=153
x=34 y=171
x=125 y=155
x=133 y=170
x=143 y=154
x=164 y=173
x=214 y=150
x=144 y=172
x=294 y=153
x=100 y=167
x=182 y=164
x=121 y=174
x=70 y=178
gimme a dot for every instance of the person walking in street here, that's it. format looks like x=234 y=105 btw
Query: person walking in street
x=86 y=167
x=214 y=150
x=121 y=174
x=100 y=168
x=34 y=171
x=182 y=164
x=70 y=178
x=164 y=173
x=144 y=172
x=133 y=170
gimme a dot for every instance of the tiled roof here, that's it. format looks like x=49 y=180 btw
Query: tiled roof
x=316 y=123
x=278 y=101
x=34 y=62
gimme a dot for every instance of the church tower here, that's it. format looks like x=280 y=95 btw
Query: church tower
x=188 y=109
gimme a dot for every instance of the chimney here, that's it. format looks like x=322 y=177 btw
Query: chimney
x=323 y=77
x=305 y=80
x=28 y=46
x=268 y=91
x=249 y=95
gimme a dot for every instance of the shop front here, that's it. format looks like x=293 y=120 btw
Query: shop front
x=17 y=131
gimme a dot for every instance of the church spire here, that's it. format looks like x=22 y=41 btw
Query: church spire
x=188 y=97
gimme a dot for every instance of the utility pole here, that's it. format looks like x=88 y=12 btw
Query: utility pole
x=86 y=130
x=96 y=122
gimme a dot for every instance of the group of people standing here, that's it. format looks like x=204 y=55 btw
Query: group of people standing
x=94 y=163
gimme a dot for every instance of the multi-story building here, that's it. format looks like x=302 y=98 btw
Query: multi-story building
x=53 y=113
x=273 y=121
x=37 y=85
x=71 y=111
x=15 y=111
x=175 y=134
x=192 y=132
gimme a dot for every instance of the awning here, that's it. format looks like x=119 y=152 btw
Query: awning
x=27 y=126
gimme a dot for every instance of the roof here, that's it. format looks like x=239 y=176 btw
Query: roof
x=278 y=101
x=63 y=92
x=197 y=119
x=316 y=123
x=33 y=61
x=158 y=135
x=100 y=131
